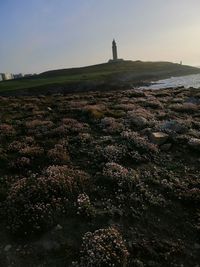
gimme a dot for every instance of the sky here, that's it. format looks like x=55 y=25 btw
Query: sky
x=38 y=35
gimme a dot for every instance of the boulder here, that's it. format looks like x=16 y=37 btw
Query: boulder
x=159 y=138
x=194 y=143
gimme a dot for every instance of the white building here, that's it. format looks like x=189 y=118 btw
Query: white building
x=7 y=76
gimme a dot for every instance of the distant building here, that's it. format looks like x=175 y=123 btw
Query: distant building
x=17 y=76
x=7 y=76
x=28 y=75
x=114 y=53
x=1 y=77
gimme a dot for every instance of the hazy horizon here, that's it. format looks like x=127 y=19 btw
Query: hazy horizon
x=38 y=35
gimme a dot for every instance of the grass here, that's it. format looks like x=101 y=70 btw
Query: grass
x=108 y=73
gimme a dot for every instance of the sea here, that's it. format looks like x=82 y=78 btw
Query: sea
x=174 y=82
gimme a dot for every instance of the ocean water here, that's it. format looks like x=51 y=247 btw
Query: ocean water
x=186 y=81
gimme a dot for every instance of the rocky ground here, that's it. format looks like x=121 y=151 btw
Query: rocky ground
x=100 y=179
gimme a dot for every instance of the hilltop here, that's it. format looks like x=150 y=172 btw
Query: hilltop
x=104 y=76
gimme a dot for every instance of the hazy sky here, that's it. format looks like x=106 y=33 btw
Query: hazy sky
x=37 y=35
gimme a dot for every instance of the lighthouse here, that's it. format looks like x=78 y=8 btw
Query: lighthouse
x=115 y=58
x=114 y=50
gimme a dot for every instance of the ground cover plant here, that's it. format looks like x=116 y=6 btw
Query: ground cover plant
x=100 y=179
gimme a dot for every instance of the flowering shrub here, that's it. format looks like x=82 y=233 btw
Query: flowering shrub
x=136 y=120
x=58 y=154
x=94 y=111
x=37 y=123
x=33 y=204
x=104 y=247
x=32 y=151
x=126 y=106
x=139 y=142
x=113 y=152
x=6 y=130
x=16 y=146
x=74 y=125
x=120 y=175
x=84 y=206
x=21 y=163
x=60 y=131
x=74 y=179
x=152 y=103
x=39 y=127
x=110 y=125
x=85 y=137
x=185 y=107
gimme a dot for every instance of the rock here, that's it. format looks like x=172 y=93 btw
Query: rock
x=159 y=138
x=194 y=143
x=7 y=248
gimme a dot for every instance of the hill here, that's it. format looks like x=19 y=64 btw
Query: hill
x=101 y=76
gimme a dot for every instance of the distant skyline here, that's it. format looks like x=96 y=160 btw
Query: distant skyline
x=38 y=35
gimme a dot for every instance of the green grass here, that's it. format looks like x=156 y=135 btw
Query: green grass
x=126 y=71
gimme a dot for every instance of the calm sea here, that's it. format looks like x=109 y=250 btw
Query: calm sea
x=186 y=81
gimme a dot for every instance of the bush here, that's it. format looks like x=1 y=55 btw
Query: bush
x=84 y=206
x=20 y=163
x=58 y=154
x=34 y=204
x=104 y=247
x=6 y=130
x=141 y=143
x=185 y=107
x=111 y=125
x=113 y=152
x=124 y=178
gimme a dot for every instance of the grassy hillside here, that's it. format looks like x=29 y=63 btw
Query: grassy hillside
x=107 y=73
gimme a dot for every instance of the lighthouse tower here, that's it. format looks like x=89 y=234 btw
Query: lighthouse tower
x=114 y=50
x=115 y=58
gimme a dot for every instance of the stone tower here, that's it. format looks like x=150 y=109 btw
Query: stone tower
x=114 y=50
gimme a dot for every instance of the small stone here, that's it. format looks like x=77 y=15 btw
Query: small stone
x=58 y=227
x=194 y=143
x=7 y=248
x=159 y=138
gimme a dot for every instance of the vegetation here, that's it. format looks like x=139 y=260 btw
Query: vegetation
x=92 y=77
x=100 y=179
